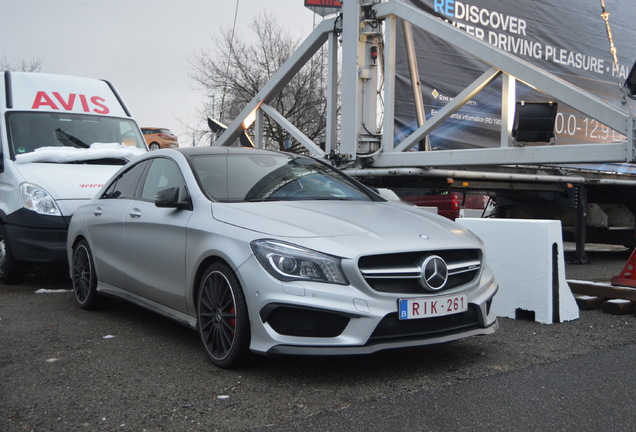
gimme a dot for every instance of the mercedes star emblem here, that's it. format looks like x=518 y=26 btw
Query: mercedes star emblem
x=434 y=273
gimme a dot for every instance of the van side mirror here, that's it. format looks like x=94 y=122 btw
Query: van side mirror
x=169 y=198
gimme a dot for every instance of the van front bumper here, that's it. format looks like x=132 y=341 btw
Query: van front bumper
x=37 y=238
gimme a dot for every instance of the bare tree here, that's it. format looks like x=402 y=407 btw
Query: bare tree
x=234 y=71
x=32 y=65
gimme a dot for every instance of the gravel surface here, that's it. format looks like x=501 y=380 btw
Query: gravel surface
x=123 y=368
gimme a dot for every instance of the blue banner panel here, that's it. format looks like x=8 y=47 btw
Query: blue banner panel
x=567 y=38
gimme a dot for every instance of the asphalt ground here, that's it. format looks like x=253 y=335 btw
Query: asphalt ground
x=548 y=397
x=123 y=368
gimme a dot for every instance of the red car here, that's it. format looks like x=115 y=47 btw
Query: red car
x=448 y=203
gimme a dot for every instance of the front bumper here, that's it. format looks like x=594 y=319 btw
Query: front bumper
x=372 y=347
x=36 y=238
x=325 y=319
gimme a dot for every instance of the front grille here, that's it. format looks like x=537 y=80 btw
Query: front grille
x=392 y=327
x=306 y=322
x=401 y=273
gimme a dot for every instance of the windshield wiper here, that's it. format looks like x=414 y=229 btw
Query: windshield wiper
x=264 y=199
x=72 y=139
x=333 y=198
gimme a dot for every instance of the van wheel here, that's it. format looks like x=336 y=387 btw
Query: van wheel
x=84 y=278
x=154 y=146
x=11 y=270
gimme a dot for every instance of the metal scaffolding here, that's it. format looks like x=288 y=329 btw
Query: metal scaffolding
x=360 y=133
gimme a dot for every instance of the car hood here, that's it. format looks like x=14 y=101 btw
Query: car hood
x=382 y=220
x=65 y=181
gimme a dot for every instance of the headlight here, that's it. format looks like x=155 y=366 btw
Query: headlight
x=37 y=199
x=288 y=262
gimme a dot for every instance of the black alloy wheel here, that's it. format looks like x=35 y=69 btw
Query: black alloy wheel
x=222 y=318
x=84 y=278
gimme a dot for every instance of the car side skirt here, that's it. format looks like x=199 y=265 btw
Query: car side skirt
x=179 y=317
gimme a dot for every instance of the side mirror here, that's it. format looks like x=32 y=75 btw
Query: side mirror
x=169 y=198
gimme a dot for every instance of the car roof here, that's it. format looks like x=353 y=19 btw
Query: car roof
x=203 y=150
x=154 y=128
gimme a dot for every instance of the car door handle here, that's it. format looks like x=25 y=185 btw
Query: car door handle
x=98 y=211
x=135 y=213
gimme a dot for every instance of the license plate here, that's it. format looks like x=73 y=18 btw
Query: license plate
x=415 y=308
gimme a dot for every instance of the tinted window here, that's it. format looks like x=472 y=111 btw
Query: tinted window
x=260 y=177
x=163 y=174
x=125 y=185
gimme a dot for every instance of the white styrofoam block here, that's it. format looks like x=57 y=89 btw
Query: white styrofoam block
x=520 y=252
x=429 y=209
x=470 y=213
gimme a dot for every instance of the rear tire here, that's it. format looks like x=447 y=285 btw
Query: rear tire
x=84 y=278
x=222 y=317
x=153 y=146
x=11 y=270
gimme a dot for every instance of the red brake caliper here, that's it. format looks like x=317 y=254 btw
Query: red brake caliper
x=233 y=320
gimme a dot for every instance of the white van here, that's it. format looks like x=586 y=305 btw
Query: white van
x=61 y=138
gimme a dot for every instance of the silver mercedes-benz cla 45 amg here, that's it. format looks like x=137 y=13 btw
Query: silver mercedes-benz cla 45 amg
x=277 y=253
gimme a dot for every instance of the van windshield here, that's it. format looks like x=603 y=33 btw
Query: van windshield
x=28 y=131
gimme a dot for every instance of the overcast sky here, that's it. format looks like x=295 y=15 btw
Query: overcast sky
x=142 y=47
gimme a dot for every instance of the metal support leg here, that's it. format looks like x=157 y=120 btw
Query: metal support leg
x=581 y=223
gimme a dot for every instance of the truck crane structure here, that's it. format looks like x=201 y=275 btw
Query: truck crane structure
x=360 y=136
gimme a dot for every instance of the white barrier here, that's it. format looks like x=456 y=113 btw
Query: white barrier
x=527 y=258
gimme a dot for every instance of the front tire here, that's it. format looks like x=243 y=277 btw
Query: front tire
x=84 y=278
x=11 y=270
x=153 y=146
x=222 y=317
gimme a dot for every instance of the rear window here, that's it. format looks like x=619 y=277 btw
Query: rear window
x=147 y=131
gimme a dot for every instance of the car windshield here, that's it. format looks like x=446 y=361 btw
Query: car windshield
x=29 y=131
x=273 y=177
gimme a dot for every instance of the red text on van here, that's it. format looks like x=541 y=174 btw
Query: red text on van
x=88 y=104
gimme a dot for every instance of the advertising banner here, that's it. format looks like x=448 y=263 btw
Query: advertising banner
x=566 y=38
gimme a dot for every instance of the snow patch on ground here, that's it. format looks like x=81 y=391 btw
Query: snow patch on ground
x=51 y=291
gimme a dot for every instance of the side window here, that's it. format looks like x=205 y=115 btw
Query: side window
x=125 y=185
x=163 y=174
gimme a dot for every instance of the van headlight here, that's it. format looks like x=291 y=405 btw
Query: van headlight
x=38 y=199
x=288 y=262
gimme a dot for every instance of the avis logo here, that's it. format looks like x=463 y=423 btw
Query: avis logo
x=74 y=101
